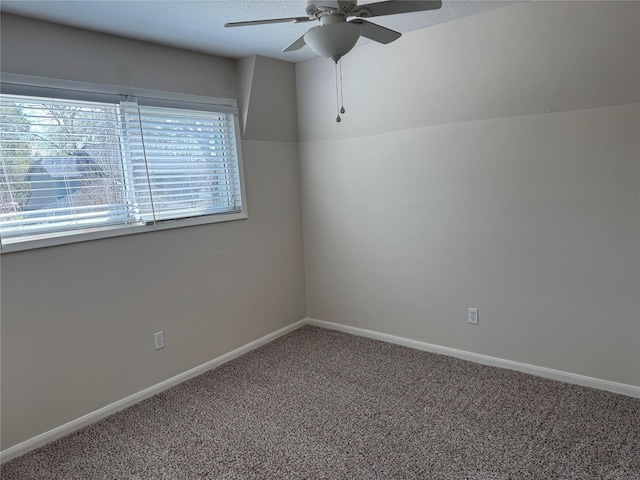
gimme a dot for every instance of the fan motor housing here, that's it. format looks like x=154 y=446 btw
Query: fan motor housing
x=316 y=8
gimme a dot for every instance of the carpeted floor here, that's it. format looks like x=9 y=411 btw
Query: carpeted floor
x=319 y=404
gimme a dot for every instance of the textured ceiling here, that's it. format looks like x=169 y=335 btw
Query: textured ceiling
x=198 y=25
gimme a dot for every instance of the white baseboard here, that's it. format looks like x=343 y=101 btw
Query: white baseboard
x=88 y=419
x=622 y=388
x=77 y=424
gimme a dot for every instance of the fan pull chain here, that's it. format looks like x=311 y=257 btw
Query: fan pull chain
x=338 y=119
x=339 y=97
x=341 y=89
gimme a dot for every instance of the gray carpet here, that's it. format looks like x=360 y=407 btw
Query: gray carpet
x=319 y=404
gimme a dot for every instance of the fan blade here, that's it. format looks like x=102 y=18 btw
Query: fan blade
x=376 y=32
x=393 y=7
x=272 y=20
x=295 y=45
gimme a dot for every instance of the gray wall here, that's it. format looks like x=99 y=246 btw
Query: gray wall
x=489 y=162
x=78 y=320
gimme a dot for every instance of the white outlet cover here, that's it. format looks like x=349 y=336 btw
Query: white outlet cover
x=158 y=339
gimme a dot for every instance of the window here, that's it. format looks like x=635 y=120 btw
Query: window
x=70 y=167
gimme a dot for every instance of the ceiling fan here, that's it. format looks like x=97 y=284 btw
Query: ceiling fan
x=342 y=23
x=336 y=35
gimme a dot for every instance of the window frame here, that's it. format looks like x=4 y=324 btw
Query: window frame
x=71 y=90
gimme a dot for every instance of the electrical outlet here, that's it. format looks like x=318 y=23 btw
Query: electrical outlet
x=158 y=338
x=472 y=316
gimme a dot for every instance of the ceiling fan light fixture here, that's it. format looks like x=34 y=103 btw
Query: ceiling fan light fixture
x=336 y=35
x=334 y=39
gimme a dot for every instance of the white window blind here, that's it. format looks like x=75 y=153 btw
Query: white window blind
x=76 y=166
x=182 y=163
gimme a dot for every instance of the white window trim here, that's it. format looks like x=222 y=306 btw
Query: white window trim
x=41 y=86
x=38 y=86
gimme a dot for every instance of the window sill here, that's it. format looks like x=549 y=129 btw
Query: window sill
x=108 y=232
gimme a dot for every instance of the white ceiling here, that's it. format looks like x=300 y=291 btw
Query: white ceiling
x=198 y=24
